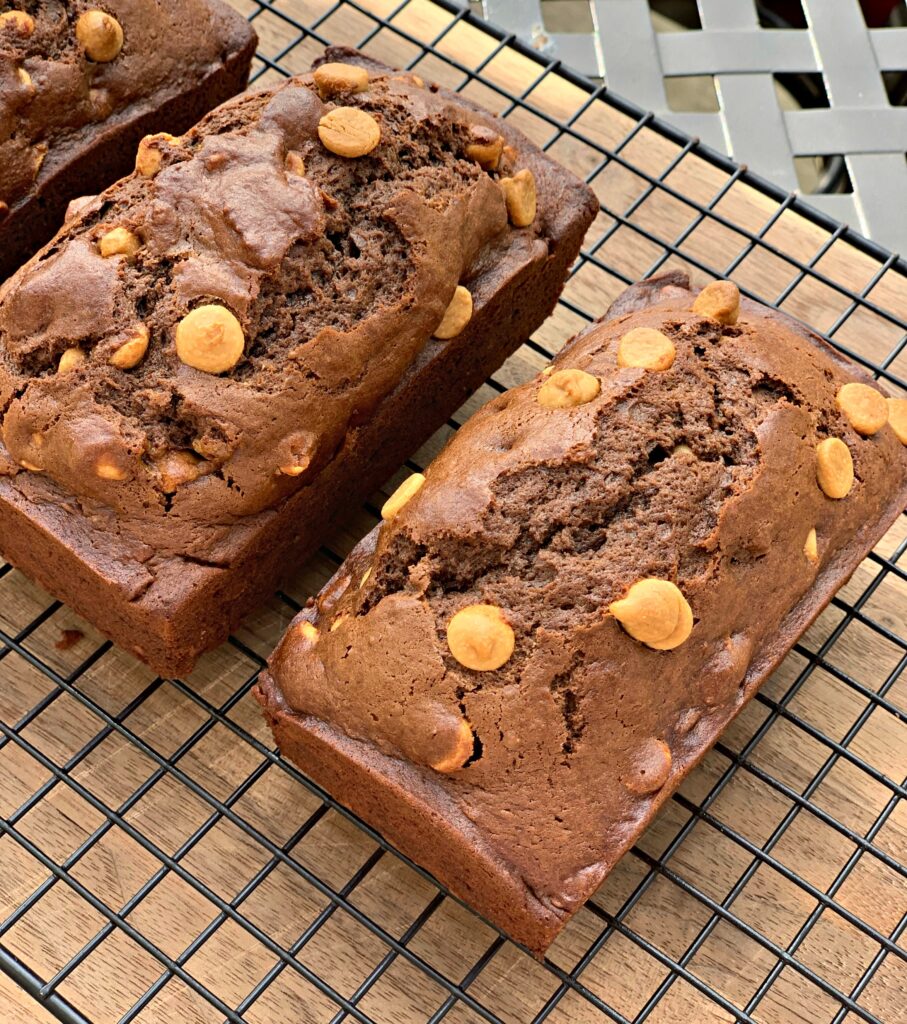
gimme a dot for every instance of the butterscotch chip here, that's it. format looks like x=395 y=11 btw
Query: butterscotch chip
x=294 y=163
x=480 y=638
x=654 y=612
x=457 y=315
x=408 y=489
x=100 y=35
x=24 y=78
x=349 y=132
x=23 y=23
x=647 y=349
x=897 y=417
x=565 y=389
x=71 y=358
x=365 y=577
x=118 y=242
x=132 y=351
x=520 y=197
x=485 y=146
x=719 y=301
x=149 y=157
x=863 y=406
x=177 y=468
x=211 y=339
x=811 y=547
x=834 y=467
x=108 y=467
x=337 y=77
x=460 y=751
x=31 y=466
x=337 y=623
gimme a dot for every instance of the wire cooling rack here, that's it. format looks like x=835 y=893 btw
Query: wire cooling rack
x=160 y=863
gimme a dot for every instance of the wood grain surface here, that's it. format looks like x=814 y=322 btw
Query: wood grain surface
x=832 y=729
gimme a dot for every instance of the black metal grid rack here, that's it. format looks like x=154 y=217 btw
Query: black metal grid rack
x=158 y=862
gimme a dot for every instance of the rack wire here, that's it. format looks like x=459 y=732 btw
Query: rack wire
x=160 y=862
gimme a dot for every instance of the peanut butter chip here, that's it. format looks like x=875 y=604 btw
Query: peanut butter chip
x=408 y=489
x=23 y=23
x=520 y=197
x=210 y=338
x=118 y=242
x=308 y=631
x=656 y=613
x=834 y=467
x=719 y=301
x=24 y=78
x=339 y=77
x=681 y=631
x=70 y=359
x=177 y=468
x=480 y=638
x=565 y=389
x=460 y=749
x=647 y=349
x=349 y=131
x=897 y=417
x=294 y=163
x=811 y=547
x=99 y=35
x=132 y=351
x=149 y=157
x=866 y=409
x=109 y=468
x=295 y=469
x=457 y=315
x=485 y=146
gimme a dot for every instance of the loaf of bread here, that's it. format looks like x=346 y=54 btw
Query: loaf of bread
x=250 y=334
x=81 y=84
x=514 y=671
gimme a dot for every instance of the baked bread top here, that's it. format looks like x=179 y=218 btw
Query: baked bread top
x=66 y=68
x=544 y=635
x=195 y=344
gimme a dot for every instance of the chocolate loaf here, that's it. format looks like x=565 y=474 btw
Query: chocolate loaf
x=81 y=84
x=247 y=336
x=513 y=672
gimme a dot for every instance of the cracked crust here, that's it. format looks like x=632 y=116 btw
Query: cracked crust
x=338 y=278
x=703 y=475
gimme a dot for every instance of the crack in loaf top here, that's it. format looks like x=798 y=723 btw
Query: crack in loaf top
x=596 y=571
x=66 y=68
x=196 y=344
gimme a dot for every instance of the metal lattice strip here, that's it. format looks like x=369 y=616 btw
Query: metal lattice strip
x=637 y=57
